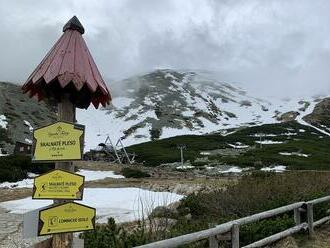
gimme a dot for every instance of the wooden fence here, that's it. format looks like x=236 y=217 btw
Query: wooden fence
x=230 y=230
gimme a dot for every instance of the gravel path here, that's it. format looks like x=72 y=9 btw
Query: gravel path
x=10 y=230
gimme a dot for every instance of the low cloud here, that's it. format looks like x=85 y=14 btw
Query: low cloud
x=274 y=46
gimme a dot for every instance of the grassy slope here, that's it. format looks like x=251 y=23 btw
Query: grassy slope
x=163 y=151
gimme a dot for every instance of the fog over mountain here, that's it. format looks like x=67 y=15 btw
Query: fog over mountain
x=271 y=47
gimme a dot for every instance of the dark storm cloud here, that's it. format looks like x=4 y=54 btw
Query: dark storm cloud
x=270 y=46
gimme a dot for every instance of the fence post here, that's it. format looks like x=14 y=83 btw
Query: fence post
x=213 y=241
x=310 y=219
x=235 y=236
x=297 y=216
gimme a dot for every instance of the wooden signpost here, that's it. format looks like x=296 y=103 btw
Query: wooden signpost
x=69 y=75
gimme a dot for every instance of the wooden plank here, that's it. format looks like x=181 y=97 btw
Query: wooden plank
x=55 y=64
x=226 y=227
x=66 y=112
x=213 y=242
x=310 y=220
x=320 y=200
x=189 y=238
x=224 y=236
x=235 y=236
x=277 y=236
x=321 y=221
x=223 y=228
x=269 y=213
x=297 y=216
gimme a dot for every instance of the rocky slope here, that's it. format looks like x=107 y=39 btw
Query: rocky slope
x=19 y=114
x=166 y=103
x=320 y=115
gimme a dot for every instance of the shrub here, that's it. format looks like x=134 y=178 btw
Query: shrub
x=14 y=168
x=252 y=194
x=113 y=236
x=163 y=151
x=257 y=193
x=133 y=173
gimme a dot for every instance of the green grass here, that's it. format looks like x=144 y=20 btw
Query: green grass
x=157 y=152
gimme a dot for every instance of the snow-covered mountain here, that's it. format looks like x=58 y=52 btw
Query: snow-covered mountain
x=166 y=103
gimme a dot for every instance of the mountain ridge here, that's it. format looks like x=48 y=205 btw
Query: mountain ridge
x=166 y=103
x=161 y=104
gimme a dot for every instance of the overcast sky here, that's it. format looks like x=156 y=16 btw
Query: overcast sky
x=271 y=45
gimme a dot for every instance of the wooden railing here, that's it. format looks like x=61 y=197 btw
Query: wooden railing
x=230 y=230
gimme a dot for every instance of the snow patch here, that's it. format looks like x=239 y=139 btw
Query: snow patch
x=238 y=145
x=28 y=124
x=269 y=142
x=3 y=122
x=277 y=168
x=123 y=204
x=185 y=167
x=234 y=169
x=98 y=175
x=121 y=102
x=294 y=154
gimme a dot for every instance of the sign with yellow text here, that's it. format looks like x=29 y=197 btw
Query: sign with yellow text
x=67 y=217
x=58 y=184
x=60 y=141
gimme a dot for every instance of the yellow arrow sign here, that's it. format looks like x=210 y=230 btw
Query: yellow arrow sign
x=67 y=217
x=58 y=184
x=60 y=141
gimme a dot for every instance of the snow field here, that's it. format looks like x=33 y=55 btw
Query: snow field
x=123 y=204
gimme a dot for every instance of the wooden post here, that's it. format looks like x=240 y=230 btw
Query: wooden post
x=213 y=241
x=235 y=236
x=310 y=219
x=66 y=112
x=297 y=216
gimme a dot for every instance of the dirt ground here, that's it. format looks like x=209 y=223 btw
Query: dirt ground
x=161 y=179
x=98 y=166
x=14 y=194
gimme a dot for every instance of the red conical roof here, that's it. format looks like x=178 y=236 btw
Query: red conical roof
x=69 y=68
